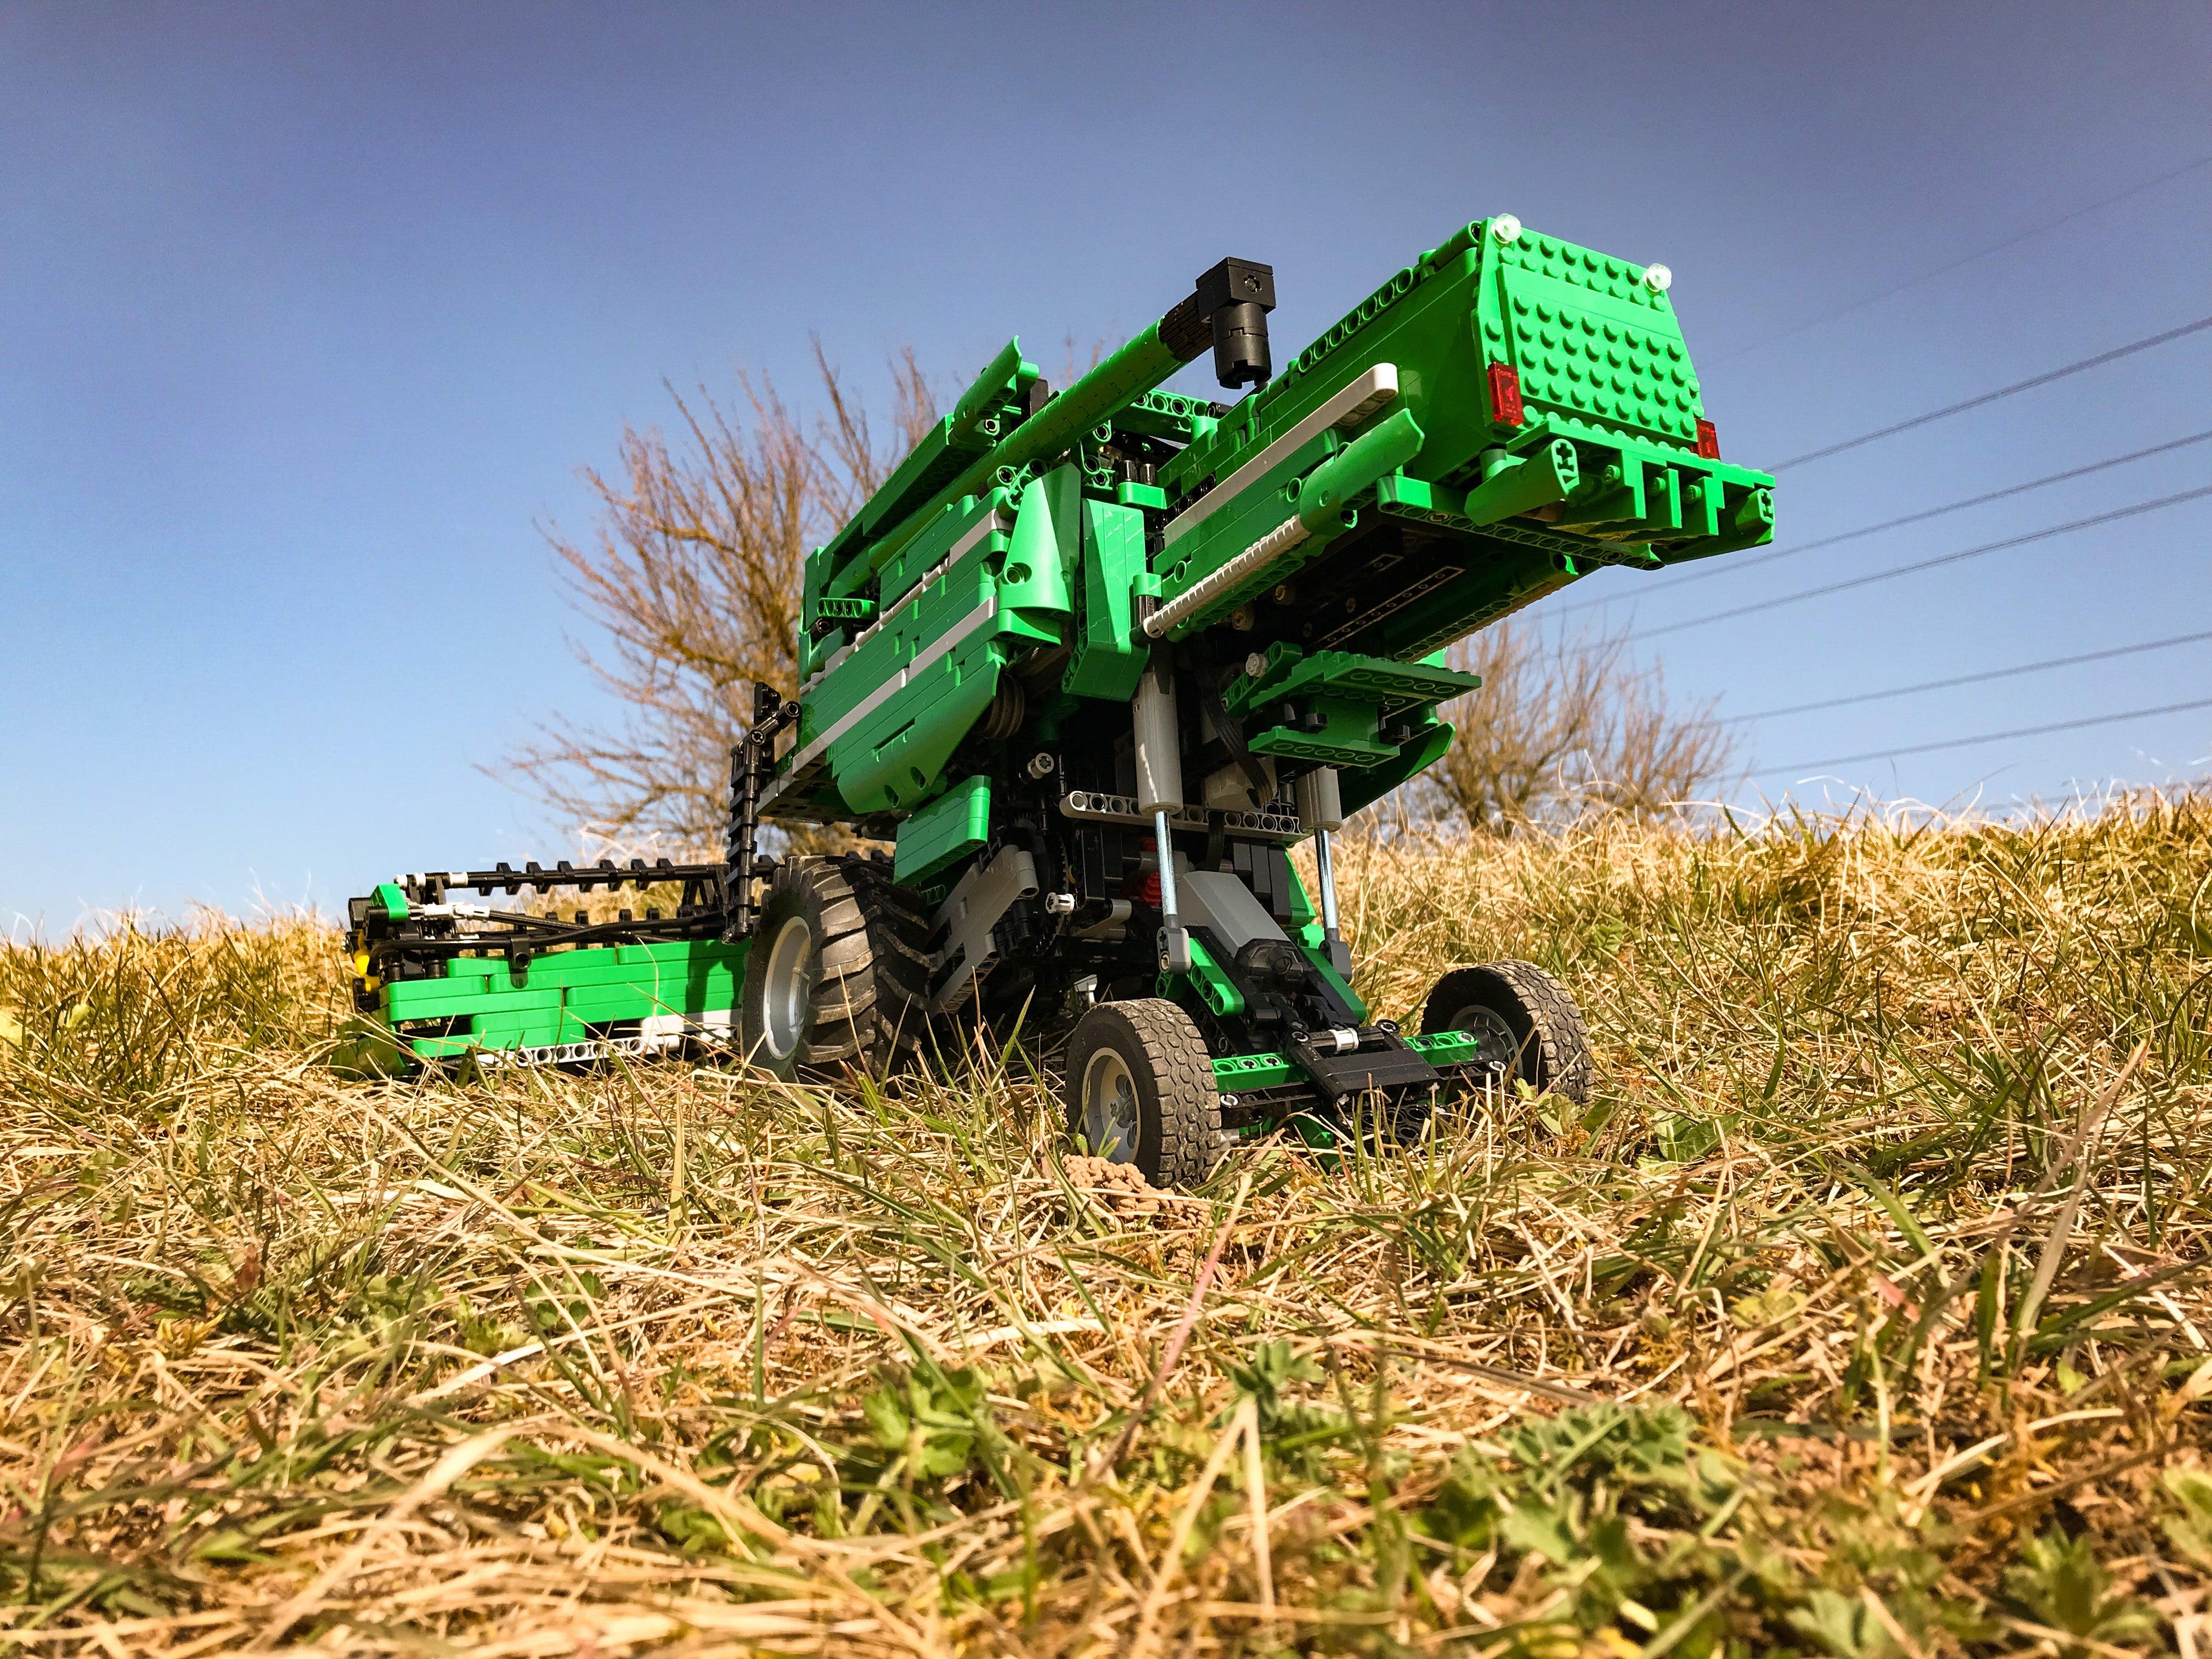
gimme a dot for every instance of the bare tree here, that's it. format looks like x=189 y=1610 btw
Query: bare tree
x=693 y=577
x=1567 y=724
x=850 y=465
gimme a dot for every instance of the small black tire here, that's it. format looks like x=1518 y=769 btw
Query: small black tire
x=1517 y=1002
x=835 y=976
x=1140 y=1089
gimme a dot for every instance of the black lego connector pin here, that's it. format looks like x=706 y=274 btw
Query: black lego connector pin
x=1231 y=304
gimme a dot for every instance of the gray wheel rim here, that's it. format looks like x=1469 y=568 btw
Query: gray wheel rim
x=784 y=988
x=1109 y=1108
x=1501 y=1049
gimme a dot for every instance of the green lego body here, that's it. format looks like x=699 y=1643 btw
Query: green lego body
x=1501 y=416
x=1094 y=661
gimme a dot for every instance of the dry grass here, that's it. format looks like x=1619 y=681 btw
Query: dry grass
x=1863 y=1313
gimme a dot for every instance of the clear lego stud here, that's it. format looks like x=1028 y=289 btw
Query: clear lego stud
x=1658 y=279
x=1506 y=227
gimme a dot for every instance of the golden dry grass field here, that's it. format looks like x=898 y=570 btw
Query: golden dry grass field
x=1864 y=1313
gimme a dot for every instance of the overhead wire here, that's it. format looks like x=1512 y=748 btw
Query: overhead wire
x=2044 y=228
x=2045 y=379
x=2048 y=664
x=2028 y=385
x=1995 y=737
x=1895 y=571
x=1732 y=565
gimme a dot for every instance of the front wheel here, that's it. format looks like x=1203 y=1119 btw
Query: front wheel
x=835 y=975
x=1140 y=1090
x=1527 y=1025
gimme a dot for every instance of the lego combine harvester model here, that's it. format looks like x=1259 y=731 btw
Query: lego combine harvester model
x=1093 y=662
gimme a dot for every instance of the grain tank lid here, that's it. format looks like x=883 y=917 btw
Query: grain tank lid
x=1590 y=336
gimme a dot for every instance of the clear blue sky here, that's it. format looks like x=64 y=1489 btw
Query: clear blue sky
x=309 y=315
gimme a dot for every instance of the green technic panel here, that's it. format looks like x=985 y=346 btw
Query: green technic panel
x=955 y=824
x=892 y=711
x=560 y=995
x=888 y=714
x=1109 y=657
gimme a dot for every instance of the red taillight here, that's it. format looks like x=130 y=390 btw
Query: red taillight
x=1708 y=441
x=1505 y=395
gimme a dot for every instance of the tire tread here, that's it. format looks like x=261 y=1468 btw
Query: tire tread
x=1182 y=1078
x=1558 y=1033
x=866 y=1008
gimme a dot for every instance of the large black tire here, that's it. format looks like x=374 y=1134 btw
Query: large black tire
x=1140 y=1066
x=835 y=976
x=1517 y=1005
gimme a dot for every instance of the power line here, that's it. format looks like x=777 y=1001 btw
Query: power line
x=1995 y=737
x=1930 y=564
x=2033 y=382
x=1976 y=679
x=2047 y=226
x=1730 y=567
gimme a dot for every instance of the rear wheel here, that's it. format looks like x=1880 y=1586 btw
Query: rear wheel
x=835 y=974
x=1140 y=1090
x=1528 y=1026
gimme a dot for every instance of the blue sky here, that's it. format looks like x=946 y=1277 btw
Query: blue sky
x=312 y=315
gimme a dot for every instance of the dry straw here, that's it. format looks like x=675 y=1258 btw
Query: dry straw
x=1862 y=1312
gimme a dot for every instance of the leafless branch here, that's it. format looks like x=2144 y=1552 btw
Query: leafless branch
x=691 y=584
x=1567 y=724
